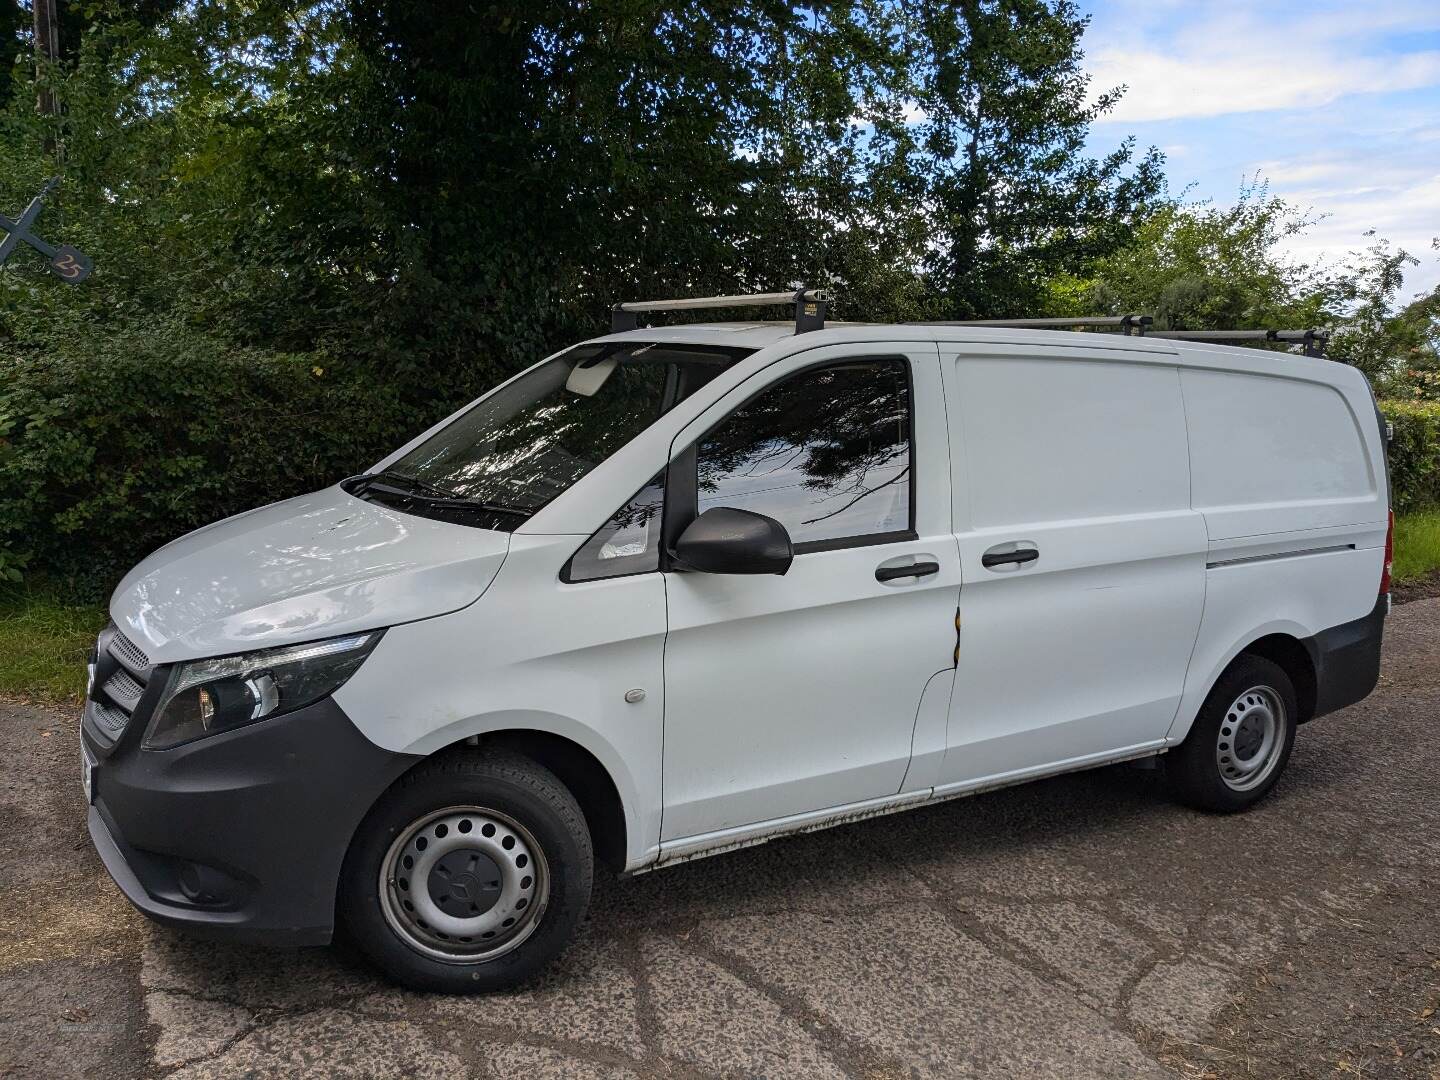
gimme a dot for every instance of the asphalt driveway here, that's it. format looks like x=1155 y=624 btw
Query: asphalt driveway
x=1080 y=927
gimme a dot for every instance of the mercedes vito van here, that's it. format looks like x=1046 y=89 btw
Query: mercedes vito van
x=681 y=589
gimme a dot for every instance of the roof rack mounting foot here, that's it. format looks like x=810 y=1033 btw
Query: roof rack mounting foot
x=622 y=320
x=810 y=308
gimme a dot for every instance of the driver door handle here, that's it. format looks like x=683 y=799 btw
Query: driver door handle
x=915 y=569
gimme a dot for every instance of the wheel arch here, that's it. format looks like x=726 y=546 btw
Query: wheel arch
x=1296 y=659
x=580 y=771
x=1282 y=642
x=583 y=762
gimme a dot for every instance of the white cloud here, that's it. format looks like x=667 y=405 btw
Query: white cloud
x=1357 y=195
x=1169 y=87
x=912 y=113
x=1226 y=59
x=1333 y=102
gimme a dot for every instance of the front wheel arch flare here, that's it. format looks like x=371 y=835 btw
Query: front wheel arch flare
x=575 y=767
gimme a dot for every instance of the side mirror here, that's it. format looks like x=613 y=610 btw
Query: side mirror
x=723 y=540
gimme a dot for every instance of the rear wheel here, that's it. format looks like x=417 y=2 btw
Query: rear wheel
x=1241 y=740
x=469 y=875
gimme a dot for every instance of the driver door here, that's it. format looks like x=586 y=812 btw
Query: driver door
x=794 y=694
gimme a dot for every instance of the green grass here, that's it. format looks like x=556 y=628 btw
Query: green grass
x=43 y=645
x=1417 y=545
x=44 y=640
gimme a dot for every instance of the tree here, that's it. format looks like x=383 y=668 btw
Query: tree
x=1012 y=195
x=1205 y=267
x=1397 y=345
x=370 y=210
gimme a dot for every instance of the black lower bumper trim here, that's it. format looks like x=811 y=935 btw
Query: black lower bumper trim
x=241 y=836
x=1347 y=660
x=223 y=925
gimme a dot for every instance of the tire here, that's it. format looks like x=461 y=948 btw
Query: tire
x=1228 y=762
x=489 y=837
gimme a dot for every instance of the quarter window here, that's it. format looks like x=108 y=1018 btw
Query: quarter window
x=826 y=453
x=629 y=543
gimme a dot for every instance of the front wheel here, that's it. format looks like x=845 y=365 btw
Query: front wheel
x=470 y=874
x=1240 y=742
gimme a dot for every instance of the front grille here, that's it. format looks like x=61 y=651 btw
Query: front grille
x=110 y=719
x=122 y=671
x=123 y=690
x=128 y=653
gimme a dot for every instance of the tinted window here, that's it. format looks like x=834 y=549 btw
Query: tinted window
x=629 y=543
x=826 y=453
x=525 y=444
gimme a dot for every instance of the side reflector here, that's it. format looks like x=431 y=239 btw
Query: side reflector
x=1389 y=556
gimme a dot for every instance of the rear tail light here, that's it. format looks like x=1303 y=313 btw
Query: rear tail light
x=1389 y=555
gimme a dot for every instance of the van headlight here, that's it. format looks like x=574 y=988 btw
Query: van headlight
x=206 y=697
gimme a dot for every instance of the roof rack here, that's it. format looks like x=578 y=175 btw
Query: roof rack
x=1137 y=324
x=810 y=305
x=1314 y=341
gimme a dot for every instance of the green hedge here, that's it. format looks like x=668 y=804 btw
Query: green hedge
x=1414 y=454
x=110 y=449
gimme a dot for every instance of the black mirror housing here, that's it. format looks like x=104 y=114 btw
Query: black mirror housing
x=724 y=540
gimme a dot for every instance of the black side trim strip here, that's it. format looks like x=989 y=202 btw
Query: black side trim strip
x=1280 y=555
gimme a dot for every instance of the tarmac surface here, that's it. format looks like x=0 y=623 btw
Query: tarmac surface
x=1078 y=927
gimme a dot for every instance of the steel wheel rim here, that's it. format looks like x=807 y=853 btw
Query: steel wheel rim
x=464 y=884
x=1251 y=738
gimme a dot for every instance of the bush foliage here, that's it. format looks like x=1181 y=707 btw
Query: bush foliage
x=110 y=450
x=1414 y=454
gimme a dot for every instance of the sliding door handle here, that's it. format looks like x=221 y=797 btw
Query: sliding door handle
x=915 y=569
x=1017 y=556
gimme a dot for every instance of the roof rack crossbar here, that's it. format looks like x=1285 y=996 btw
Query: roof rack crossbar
x=1139 y=324
x=810 y=306
x=1313 y=340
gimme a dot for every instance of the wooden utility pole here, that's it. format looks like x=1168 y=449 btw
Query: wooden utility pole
x=47 y=51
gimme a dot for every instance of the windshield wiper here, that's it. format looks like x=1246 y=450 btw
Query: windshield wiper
x=409 y=484
x=446 y=501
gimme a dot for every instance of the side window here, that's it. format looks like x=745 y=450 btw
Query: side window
x=826 y=453
x=629 y=543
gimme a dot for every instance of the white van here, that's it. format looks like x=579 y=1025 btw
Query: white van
x=678 y=590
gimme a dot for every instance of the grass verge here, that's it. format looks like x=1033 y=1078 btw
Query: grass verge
x=1417 y=546
x=43 y=645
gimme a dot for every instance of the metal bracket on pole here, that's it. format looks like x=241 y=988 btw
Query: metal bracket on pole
x=65 y=261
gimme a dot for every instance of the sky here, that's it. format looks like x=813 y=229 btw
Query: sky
x=1337 y=105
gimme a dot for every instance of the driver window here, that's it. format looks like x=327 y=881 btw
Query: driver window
x=826 y=453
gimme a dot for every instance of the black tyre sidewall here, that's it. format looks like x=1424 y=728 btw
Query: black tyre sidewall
x=1194 y=773
x=512 y=785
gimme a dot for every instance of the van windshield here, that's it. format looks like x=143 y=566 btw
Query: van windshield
x=514 y=451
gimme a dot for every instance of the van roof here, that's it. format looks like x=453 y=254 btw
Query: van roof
x=759 y=334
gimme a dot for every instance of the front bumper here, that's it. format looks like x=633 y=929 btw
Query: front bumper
x=239 y=836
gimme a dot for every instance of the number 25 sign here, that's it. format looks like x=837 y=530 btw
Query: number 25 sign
x=69 y=264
